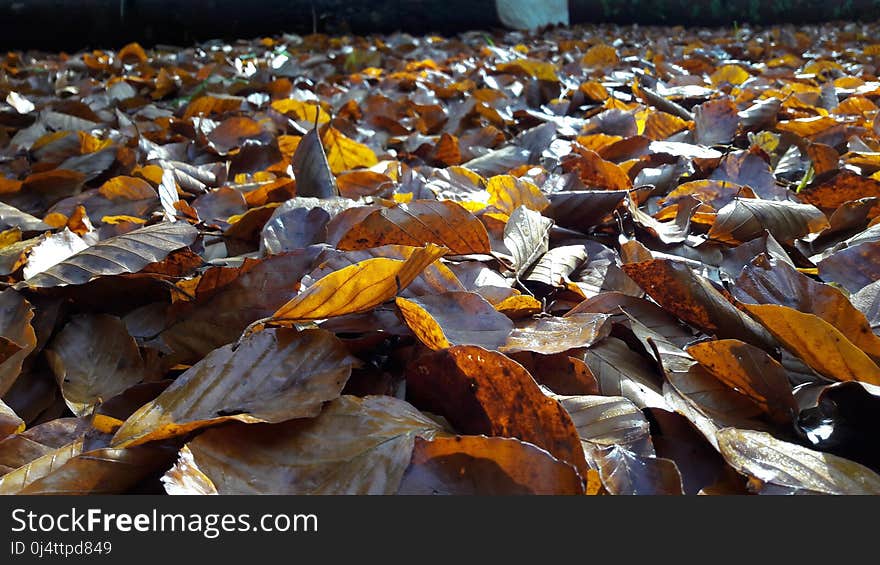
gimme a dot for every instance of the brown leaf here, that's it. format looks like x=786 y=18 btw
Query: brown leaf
x=356 y=446
x=752 y=372
x=606 y=421
x=693 y=299
x=19 y=449
x=484 y=392
x=594 y=171
x=94 y=358
x=86 y=467
x=715 y=122
x=483 y=465
x=423 y=221
x=621 y=371
x=767 y=281
x=271 y=376
x=779 y=463
x=312 y=170
x=853 y=267
x=830 y=192
x=18 y=336
x=127 y=253
x=10 y=423
x=744 y=219
x=526 y=235
x=624 y=472
x=455 y=318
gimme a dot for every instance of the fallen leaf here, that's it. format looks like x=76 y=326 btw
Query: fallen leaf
x=526 y=235
x=17 y=332
x=357 y=288
x=483 y=465
x=356 y=446
x=418 y=223
x=693 y=299
x=548 y=335
x=818 y=343
x=271 y=376
x=744 y=219
x=455 y=318
x=94 y=358
x=779 y=463
x=126 y=253
x=344 y=154
x=751 y=371
x=474 y=389
x=312 y=170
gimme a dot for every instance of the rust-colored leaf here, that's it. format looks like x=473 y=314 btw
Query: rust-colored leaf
x=484 y=392
x=486 y=466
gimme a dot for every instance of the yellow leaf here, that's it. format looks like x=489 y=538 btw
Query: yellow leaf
x=357 y=288
x=422 y=324
x=344 y=154
x=113 y=220
x=541 y=70
x=303 y=111
x=519 y=306
x=600 y=56
x=733 y=74
x=507 y=193
x=819 y=344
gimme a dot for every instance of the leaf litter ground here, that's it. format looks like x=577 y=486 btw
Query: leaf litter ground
x=593 y=260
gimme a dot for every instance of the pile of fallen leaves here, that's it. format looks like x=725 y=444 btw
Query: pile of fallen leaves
x=590 y=260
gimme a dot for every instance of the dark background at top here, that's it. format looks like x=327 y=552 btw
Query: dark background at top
x=71 y=25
